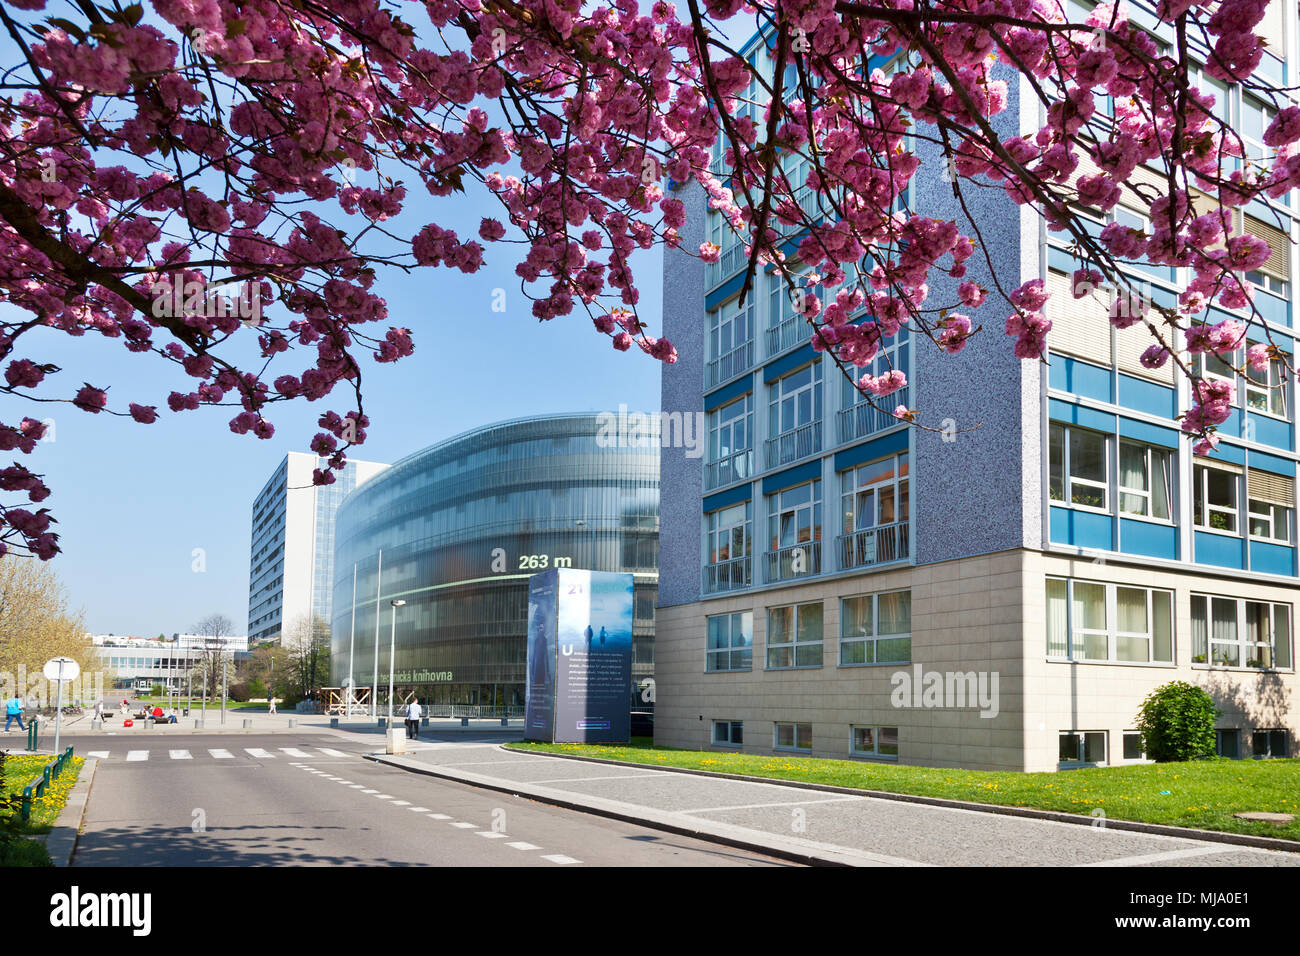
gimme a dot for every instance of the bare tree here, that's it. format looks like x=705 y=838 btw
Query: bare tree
x=213 y=630
x=306 y=644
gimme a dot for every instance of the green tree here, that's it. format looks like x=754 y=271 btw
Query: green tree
x=1177 y=722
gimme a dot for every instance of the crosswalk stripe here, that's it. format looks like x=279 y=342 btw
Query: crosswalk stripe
x=492 y=834
x=294 y=752
x=383 y=796
x=401 y=803
x=101 y=754
x=419 y=809
x=521 y=845
x=465 y=826
x=259 y=753
x=220 y=754
x=180 y=755
x=560 y=858
x=331 y=753
x=439 y=816
x=369 y=791
x=137 y=755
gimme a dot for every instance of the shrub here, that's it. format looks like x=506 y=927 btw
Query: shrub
x=1177 y=722
x=256 y=688
x=238 y=692
x=159 y=690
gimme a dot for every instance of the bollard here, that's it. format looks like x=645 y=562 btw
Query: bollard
x=424 y=721
x=198 y=723
x=505 y=721
x=148 y=723
x=247 y=723
x=383 y=722
x=96 y=725
x=293 y=722
x=464 y=721
x=395 y=742
x=334 y=722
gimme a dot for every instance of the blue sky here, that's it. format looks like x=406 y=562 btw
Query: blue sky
x=134 y=501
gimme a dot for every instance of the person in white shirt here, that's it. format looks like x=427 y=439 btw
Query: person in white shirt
x=413 y=714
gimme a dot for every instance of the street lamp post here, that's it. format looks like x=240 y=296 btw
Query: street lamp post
x=392 y=643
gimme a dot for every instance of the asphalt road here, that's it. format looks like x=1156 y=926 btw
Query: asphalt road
x=312 y=800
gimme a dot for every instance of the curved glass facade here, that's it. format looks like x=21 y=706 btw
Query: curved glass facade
x=456 y=530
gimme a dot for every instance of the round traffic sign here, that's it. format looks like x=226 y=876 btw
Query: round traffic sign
x=61 y=669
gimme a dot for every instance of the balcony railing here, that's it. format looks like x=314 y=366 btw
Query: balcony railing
x=724 y=471
x=740 y=359
x=862 y=419
x=730 y=260
x=795 y=561
x=799 y=443
x=726 y=575
x=882 y=545
x=786 y=335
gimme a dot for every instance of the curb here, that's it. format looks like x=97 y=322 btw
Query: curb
x=1056 y=816
x=805 y=852
x=61 y=841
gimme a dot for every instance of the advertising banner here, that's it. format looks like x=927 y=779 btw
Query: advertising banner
x=579 y=656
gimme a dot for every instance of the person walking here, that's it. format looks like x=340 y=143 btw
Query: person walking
x=99 y=711
x=14 y=711
x=413 y=714
x=271 y=709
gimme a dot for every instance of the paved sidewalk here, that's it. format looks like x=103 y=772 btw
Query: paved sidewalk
x=260 y=722
x=813 y=825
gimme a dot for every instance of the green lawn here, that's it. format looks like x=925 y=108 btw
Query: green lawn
x=15 y=848
x=1203 y=793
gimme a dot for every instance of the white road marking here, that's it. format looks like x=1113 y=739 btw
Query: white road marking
x=418 y=809
x=331 y=753
x=180 y=755
x=757 y=806
x=259 y=753
x=1167 y=855
x=465 y=826
x=294 y=752
x=357 y=786
x=560 y=858
x=137 y=755
x=368 y=791
x=401 y=803
x=101 y=754
x=220 y=754
x=341 y=780
x=439 y=816
x=383 y=796
x=521 y=845
x=492 y=834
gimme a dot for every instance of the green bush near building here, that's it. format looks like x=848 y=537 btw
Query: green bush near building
x=1203 y=793
x=1177 y=722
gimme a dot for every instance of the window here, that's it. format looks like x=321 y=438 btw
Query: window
x=729 y=543
x=1269 y=499
x=1143 y=480
x=1077 y=466
x=1255 y=119
x=731 y=435
x=786 y=324
x=1266 y=388
x=1210 y=366
x=794 y=531
x=1235 y=633
x=1079 y=747
x=794 y=636
x=728 y=733
x=857 y=417
x=730 y=642
x=787 y=736
x=731 y=346
x=1133 y=747
x=1266 y=744
x=795 y=401
x=874 y=499
x=876 y=629
x=874 y=742
x=1227 y=743
x=1092 y=621
x=1214 y=499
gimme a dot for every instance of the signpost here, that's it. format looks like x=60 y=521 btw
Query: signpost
x=60 y=669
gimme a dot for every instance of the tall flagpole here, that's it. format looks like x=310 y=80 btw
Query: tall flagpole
x=374 y=675
x=352 y=638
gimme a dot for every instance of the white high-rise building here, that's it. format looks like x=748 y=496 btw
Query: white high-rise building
x=291 y=561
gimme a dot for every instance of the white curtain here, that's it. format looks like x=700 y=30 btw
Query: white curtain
x=1057 y=618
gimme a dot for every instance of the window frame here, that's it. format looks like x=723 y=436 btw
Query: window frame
x=1201 y=501
x=1150 y=453
x=852 y=489
x=1112 y=633
x=794 y=645
x=777 y=396
x=795 y=736
x=1240 y=642
x=731 y=726
x=746 y=647
x=875 y=637
x=1081 y=737
x=1069 y=480
x=876 y=733
x=1274 y=388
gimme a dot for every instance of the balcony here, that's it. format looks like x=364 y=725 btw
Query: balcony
x=788 y=334
x=873 y=546
x=740 y=359
x=793 y=445
x=796 y=561
x=726 y=575
x=724 y=471
x=730 y=260
x=862 y=419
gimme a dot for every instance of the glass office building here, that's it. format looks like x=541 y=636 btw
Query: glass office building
x=456 y=530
